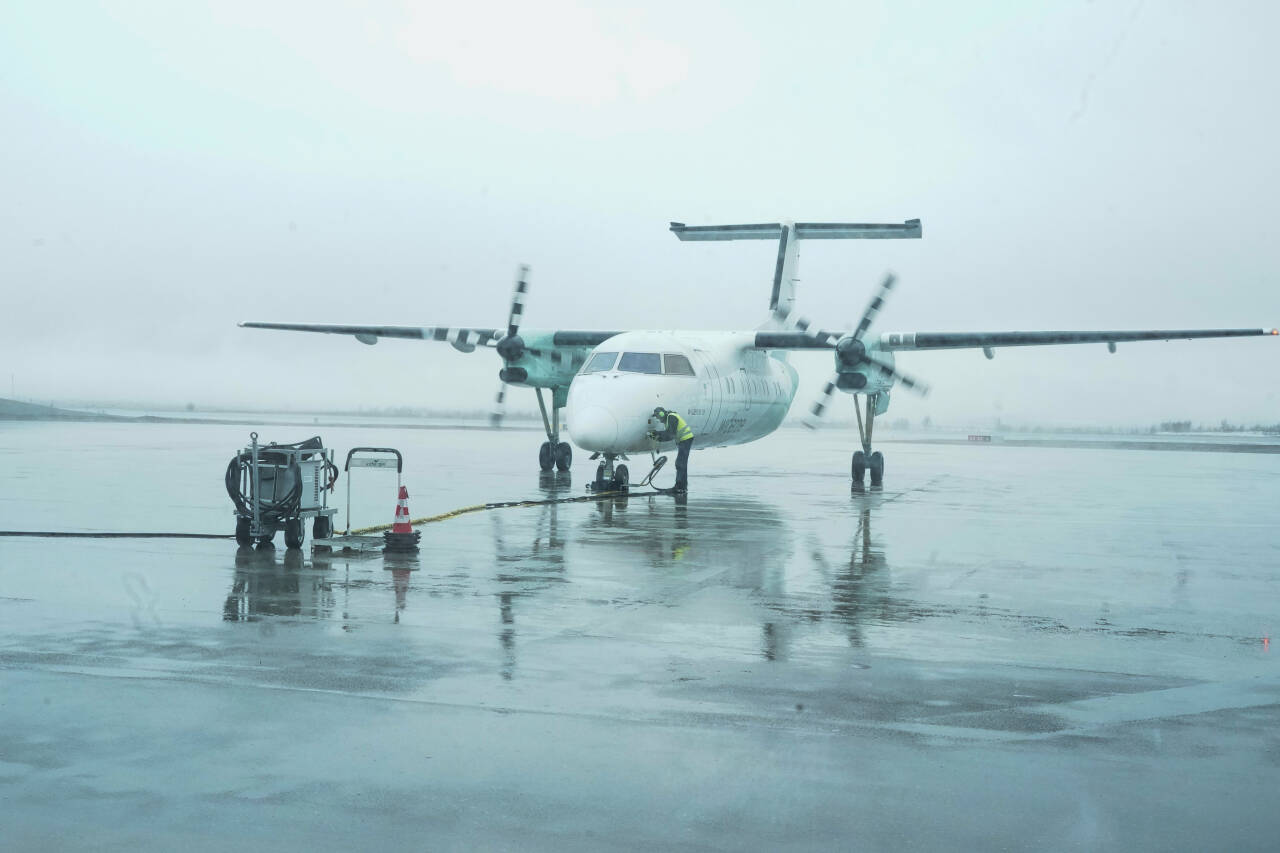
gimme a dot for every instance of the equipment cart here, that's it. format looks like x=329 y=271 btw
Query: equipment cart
x=277 y=486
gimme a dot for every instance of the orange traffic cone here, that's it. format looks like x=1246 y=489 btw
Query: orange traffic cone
x=402 y=536
x=402 y=524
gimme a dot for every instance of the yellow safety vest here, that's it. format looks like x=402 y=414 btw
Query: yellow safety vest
x=683 y=433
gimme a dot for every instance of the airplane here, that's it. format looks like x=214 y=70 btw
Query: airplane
x=732 y=387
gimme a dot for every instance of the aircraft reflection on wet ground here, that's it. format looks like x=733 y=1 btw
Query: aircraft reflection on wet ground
x=629 y=552
x=799 y=583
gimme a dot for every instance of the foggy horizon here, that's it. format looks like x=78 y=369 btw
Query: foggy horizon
x=172 y=171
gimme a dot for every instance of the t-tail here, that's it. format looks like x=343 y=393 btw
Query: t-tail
x=786 y=271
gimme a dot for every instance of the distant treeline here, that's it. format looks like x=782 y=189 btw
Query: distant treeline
x=1223 y=426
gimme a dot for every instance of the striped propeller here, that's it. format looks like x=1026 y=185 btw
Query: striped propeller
x=511 y=348
x=499 y=410
x=851 y=355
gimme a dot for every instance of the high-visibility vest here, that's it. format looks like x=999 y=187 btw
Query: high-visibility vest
x=683 y=433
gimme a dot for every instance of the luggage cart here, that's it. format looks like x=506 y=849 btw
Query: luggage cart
x=354 y=460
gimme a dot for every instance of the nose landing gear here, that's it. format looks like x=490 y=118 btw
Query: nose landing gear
x=553 y=453
x=610 y=477
x=865 y=460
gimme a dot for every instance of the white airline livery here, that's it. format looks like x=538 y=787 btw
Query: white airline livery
x=731 y=387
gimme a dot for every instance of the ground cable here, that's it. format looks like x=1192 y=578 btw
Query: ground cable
x=63 y=534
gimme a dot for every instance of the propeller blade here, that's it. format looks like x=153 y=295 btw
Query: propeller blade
x=820 y=405
x=903 y=379
x=499 y=410
x=517 y=301
x=874 y=306
x=802 y=325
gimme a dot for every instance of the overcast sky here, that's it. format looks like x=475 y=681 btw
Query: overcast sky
x=167 y=169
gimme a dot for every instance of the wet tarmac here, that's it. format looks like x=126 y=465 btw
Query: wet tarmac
x=1008 y=647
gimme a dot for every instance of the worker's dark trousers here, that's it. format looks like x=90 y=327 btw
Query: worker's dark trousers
x=682 y=463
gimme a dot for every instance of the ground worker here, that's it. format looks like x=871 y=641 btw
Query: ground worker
x=674 y=428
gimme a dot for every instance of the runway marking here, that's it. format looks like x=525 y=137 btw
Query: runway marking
x=1085 y=715
x=1079 y=717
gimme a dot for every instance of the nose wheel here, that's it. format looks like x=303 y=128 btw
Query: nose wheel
x=865 y=460
x=610 y=477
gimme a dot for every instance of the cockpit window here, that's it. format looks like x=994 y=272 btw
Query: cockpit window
x=600 y=361
x=676 y=365
x=640 y=362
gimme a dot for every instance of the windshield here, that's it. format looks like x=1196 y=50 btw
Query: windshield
x=641 y=362
x=677 y=365
x=600 y=361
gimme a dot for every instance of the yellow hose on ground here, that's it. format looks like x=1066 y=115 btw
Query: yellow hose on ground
x=378 y=528
x=444 y=516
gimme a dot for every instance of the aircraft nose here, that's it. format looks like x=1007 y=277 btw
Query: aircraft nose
x=594 y=428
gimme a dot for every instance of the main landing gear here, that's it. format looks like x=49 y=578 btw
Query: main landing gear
x=553 y=453
x=864 y=460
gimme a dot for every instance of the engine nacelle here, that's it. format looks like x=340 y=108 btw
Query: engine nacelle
x=851 y=381
x=856 y=371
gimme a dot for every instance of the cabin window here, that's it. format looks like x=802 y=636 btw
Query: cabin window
x=640 y=362
x=676 y=365
x=600 y=361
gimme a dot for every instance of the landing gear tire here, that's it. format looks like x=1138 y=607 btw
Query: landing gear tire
x=859 y=466
x=322 y=527
x=599 y=484
x=546 y=456
x=621 y=479
x=564 y=456
x=293 y=533
x=242 y=532
x=876 y=465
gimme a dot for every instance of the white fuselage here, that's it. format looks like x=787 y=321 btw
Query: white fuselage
x=735 y=394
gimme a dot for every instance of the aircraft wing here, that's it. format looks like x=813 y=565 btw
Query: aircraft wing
x=988 y=340
x=464 y=340
x=800 y=340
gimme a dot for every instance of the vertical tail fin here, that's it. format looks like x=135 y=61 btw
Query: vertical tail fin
x=786 y=273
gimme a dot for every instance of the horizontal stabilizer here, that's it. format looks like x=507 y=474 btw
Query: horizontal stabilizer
x=803 y=231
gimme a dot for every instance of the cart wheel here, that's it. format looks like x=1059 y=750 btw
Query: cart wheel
x=242 y=531
x=322 y=527
x=293 y=533
x=263 y=541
